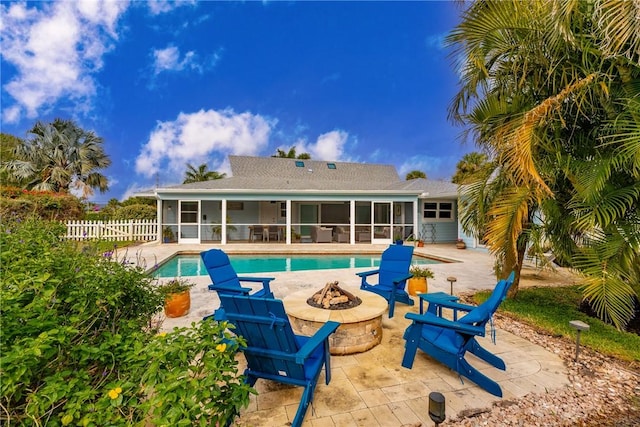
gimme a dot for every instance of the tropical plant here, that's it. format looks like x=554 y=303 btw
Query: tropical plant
x=175 y=286
x=8 y=145
x=291 y=154
x=421 y=271
x=80 y=345
x=415 y=174
x=58 y=156
x=551 y=89
x=469 y=167
x=202 y=173
x=216 y=227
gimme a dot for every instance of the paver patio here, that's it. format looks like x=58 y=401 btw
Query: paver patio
x=372 y=388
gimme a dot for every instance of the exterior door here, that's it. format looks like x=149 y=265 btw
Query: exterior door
x=308 y=215
x=189 y=227
x=381 y=214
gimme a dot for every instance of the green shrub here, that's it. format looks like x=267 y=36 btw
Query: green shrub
x=16 y=203
x=136 y=212
x=78 y=345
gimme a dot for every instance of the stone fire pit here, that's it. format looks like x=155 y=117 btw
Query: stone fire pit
x=360 y=326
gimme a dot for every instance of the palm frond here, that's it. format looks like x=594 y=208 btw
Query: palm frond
x=619 y=23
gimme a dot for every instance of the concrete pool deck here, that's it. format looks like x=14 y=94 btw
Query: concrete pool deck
x=372 y=388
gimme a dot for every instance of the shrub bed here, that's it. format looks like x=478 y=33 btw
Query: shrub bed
x=78 y=346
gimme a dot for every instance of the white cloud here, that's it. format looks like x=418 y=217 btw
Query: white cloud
x=328 y=146
x=195 y=137
x=55 y=50
x=157 y=7
x=427 y=164
x=169 y=59
x=133 y=189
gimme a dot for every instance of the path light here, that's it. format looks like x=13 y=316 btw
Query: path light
x=579 y=326
x=451 y=280
x=436 y=407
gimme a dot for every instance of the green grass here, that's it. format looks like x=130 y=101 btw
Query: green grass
x=551 y=309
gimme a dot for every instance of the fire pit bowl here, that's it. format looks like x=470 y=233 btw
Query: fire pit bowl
x=360 y=326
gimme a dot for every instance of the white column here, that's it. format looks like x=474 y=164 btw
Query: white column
x=160 y=220
x=223 y=232
x=415 y=219
x=288 y=222
x=352 y=222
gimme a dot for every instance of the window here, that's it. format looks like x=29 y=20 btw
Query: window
x=438 y=211
x=331 y=165
x=283 y=210
x=299 y=164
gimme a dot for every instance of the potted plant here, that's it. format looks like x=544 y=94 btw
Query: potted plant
x=418 y=283
x=460 y=244
x=167 y=234
x=177 y=298
x=398 y=238
x=420 y=243
x=216 y=228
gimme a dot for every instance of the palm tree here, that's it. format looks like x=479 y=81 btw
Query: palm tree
x=202 y=173
x=291 y=154
x=59 y=155
x=469 y=166
x=8 y=145
x=550 y=89
x=415 y=174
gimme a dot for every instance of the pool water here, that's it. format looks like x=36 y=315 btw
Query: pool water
x=191 y=265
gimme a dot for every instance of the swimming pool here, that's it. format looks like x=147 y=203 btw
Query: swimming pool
x=191 y=265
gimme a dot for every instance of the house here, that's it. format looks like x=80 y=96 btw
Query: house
x=282 y=200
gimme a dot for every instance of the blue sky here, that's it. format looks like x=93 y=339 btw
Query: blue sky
x=170 y=83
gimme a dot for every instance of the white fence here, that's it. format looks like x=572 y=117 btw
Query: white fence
x=135 y=230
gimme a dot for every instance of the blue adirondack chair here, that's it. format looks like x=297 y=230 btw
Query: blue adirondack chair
x=392 y=276
x=273 y=351
x=226 y=281
x=448 y=341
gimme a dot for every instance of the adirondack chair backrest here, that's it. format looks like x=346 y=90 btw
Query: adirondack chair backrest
x=263 y=323
x=481 y=314
x=219 y=268
x=394 y=263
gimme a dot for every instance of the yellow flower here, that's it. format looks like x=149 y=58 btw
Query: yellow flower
x=162 y=334
x=221 y=347
x=115 y=392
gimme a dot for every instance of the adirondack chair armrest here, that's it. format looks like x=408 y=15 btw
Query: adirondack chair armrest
x=230 y=289
x=256 y=279
x=264 y=280
x=453 y=305
x=316 y=340
x=430 y=319
x=402 y=278
x=364 y=274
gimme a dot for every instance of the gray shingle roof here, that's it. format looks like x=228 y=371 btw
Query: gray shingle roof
x=282 y=174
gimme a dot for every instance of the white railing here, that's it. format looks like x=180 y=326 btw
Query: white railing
x=132 y=230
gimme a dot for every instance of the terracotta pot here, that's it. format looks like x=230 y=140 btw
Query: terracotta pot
x=177 y=305
x=461 y=245
x=417 y=285
x=420 y=243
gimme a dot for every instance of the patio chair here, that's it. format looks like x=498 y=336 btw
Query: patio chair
x=226 y=281
x=321 y=234
x=258 y=232
x=274 y=352
x=392 y=276
x=274 y=233
x=448 y=341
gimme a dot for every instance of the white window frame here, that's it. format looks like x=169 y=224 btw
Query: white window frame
x=438 y=211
